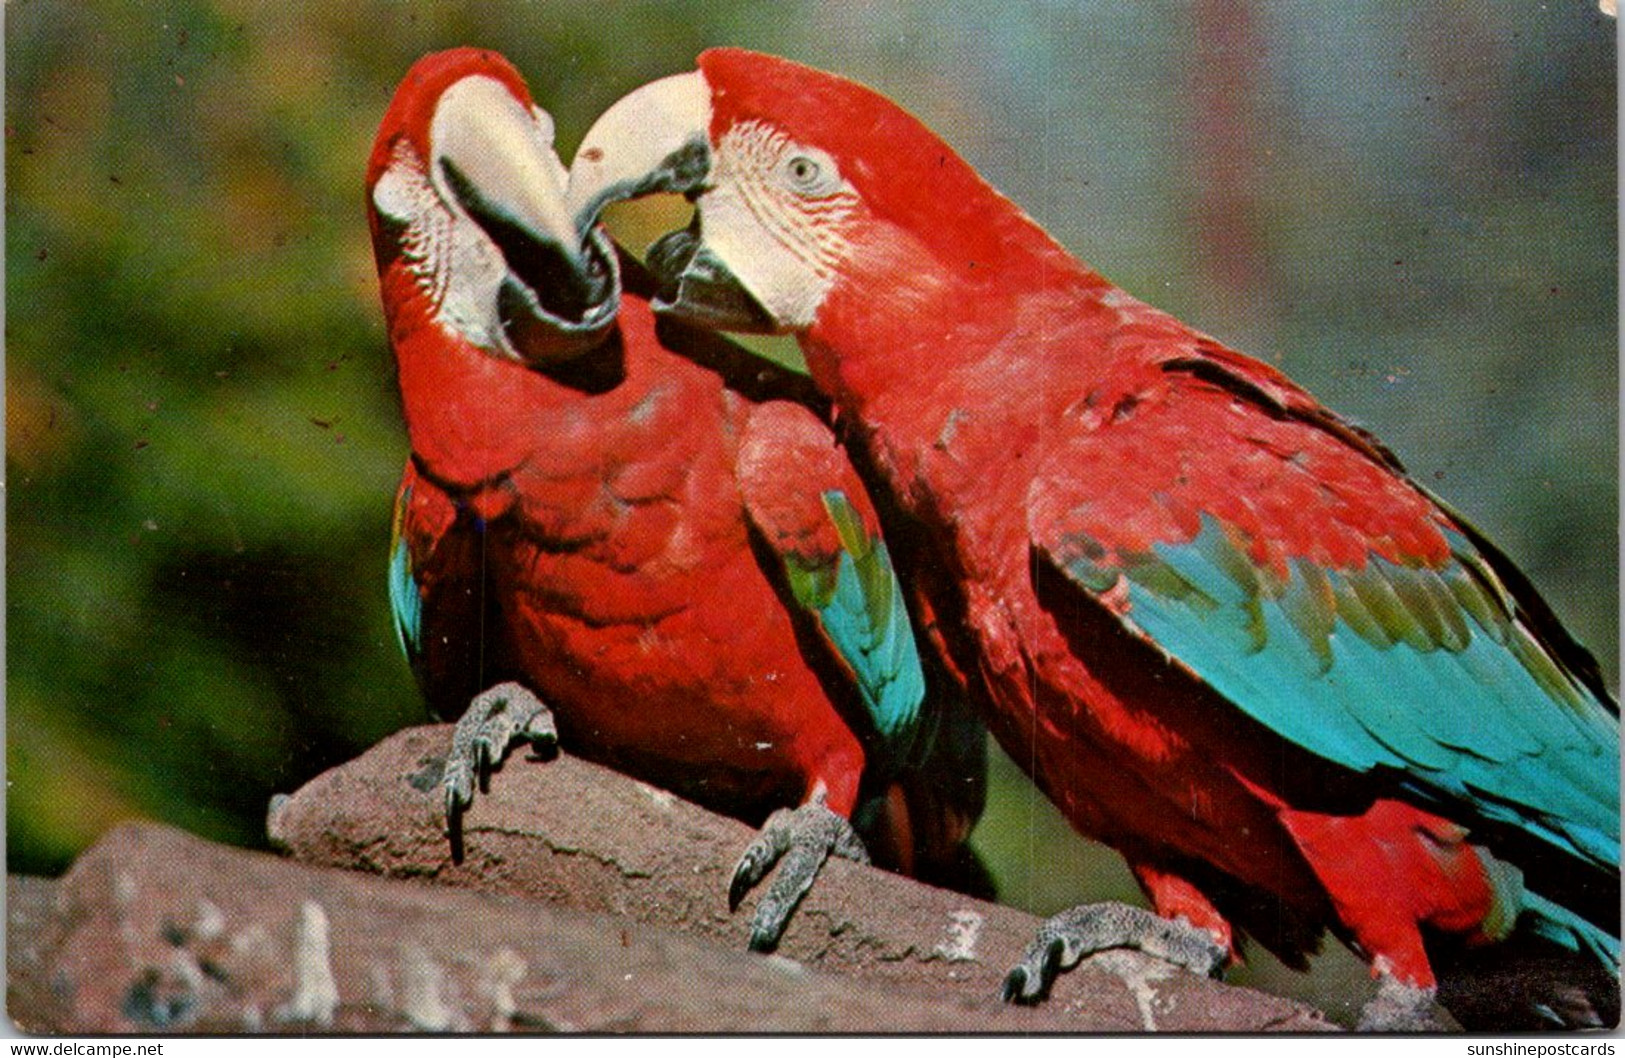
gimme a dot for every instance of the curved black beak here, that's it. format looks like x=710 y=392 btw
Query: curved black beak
x=557 y=292
x=697 y=287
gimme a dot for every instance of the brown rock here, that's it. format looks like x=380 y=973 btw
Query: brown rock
x=157 y=931
x=28 y=911
x=579 y=836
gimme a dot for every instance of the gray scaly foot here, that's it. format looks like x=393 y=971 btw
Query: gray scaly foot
x=495 y=719
x=1399 y=1007
x=803 y=838
x=1091 y=928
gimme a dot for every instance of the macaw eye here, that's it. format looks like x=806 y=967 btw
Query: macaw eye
x=811 y=173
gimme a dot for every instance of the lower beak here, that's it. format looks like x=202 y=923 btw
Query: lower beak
x=695 y=285
x=555 y=303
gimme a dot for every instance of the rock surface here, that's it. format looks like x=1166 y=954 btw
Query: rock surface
x=587 y=902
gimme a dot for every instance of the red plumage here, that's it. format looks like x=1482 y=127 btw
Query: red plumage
x=1030 y=419
x=580 y=527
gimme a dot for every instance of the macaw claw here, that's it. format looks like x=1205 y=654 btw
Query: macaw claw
x=1399 y=1007
x=1090 y=928
x=494 y=720
x=803 y=838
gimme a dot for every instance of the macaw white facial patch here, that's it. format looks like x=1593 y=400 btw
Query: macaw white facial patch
x=776 y=216
x=457 y=266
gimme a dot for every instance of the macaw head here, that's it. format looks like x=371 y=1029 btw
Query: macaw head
x=466 y=201
x=810 y=191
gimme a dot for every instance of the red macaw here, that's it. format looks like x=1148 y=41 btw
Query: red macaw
x=1221 y=627
x=691 y=576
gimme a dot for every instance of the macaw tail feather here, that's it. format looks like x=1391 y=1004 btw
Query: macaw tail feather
x=1561 y=926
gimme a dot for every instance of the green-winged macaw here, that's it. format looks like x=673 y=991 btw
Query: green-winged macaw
x=1221 y=627
x=690 y=576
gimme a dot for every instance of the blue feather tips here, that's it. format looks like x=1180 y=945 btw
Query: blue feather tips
x=1427 y=672
x=405 y=602
x=867 y=621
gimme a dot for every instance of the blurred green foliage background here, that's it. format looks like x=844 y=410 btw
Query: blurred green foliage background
x=1409 y=207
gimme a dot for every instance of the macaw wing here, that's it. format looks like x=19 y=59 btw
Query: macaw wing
x=436 y=593
x=1281 y=556
x=813 y=514
x=405 y=598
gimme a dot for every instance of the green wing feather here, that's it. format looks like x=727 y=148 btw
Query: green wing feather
x=405 y=601
x=860 y=607
x=1429 y=673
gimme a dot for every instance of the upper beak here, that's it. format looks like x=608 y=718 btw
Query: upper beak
x=496 y=160
x=657 y=138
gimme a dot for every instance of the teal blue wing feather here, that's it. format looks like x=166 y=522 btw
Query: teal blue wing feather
x=816 y=530
x=1231 y=523
x=860 y=607
x=1428 y=673
x=808 y=507
x=437 y=595
x=405 y=598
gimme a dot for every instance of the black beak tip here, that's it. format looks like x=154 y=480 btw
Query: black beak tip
x=669 y=257
x=692 y=284
x=557 y=302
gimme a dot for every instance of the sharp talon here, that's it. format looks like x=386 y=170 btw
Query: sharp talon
x=456 y=789
x=454 y=831
x=543 y=735
x=1051 y=966
x=802 y=839
x=493 y=721
x=1028 y=983
x=1070 y=936
x=742 y=881
x=773 y=914
x=764 y=941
